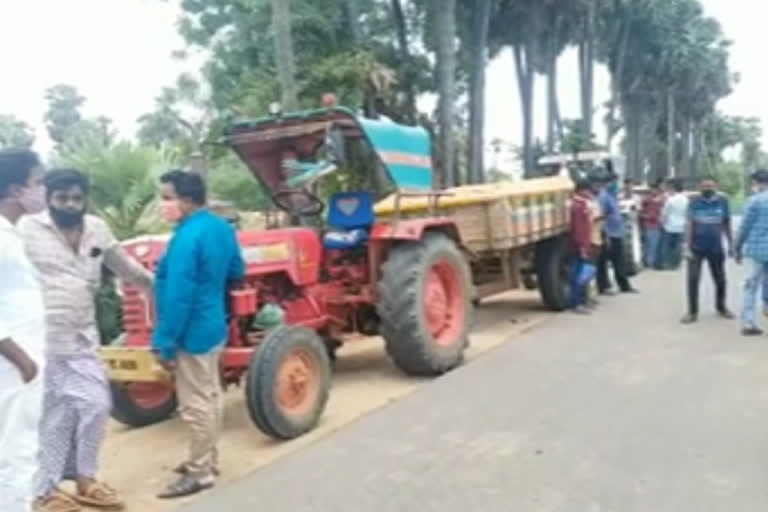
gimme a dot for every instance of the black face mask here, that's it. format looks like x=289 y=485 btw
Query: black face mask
x=708 y=193
x=66 y=219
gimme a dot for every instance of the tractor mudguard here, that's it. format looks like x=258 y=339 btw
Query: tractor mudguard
x=415 y=229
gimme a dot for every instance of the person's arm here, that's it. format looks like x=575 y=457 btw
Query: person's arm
x=178 y=295
x=16 y=355
x=236 y=268
x=688 y=237
x=127 y=268
x=747 y=223
x=727 y=230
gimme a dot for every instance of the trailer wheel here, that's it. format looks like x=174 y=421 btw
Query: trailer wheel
x=425 y=305
x=552 y=264
x=288 y=382
x=630 y=255
x=138 y=404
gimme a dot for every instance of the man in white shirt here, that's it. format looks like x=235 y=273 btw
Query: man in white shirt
x=22 y=332
x=674 y=217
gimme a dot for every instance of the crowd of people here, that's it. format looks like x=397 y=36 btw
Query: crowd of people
x=676 y=226
x=54 y=390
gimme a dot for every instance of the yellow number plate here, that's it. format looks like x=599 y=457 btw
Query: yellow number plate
x=132 y=365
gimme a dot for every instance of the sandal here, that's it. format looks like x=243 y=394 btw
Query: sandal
x=183 y=469
x=185 y=486
x=57 y=501
x=99 y=495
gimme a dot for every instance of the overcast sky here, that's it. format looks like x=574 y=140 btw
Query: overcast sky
x=118 y=54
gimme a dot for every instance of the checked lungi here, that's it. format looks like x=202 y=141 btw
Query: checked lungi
x=76 y=405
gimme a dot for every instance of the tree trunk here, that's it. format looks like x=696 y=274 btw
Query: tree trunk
x=525 y=80
x=633 y=124
x=401 y=28
x=481 y=17
x=617 y=77
x=587 y=68
x=671 y=132
x=284 y=56
x=554 y=123
x=685 y=147
x=445 y=18
x=352 y=12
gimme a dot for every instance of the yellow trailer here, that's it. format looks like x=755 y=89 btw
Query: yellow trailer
x=513 y=233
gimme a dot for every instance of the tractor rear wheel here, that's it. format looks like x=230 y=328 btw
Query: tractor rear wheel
x=552 y=265
x=288 y=382
x=425 y=305
x=138 y=404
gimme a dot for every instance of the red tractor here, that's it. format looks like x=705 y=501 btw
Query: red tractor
x=406 y=280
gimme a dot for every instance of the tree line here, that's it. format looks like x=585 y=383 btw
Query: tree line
x=667 y=60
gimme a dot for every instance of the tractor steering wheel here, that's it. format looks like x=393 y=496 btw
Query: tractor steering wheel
x=299 y=203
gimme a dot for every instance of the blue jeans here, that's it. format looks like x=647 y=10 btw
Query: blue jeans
x=578 y=291
x=757 y=277
x=652 y=247
x=671 y=250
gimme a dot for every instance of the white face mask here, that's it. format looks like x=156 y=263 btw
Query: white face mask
x=32 y=199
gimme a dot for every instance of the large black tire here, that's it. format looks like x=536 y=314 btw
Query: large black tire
x=552 y=264
x=437 y=262
x=630 y=257
x=280 y=410
x=129 y=411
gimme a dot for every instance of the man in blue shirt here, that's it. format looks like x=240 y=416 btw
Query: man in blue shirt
x=201 y=261
x=613 y=250
x=709 y=220
x=752 y=243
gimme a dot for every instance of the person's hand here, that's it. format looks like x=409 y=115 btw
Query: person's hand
x=584 y=254
x=168 y=365
x=28 y=370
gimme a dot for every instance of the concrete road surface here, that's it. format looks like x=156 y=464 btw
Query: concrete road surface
x=138 y=462
x=623 y=411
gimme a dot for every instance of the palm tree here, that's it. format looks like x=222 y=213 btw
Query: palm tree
x=284 y=56
x=123 y=181
x=445 y=18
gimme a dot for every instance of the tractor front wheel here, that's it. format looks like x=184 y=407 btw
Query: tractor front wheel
x=138 y=404
x=425 y=305
x=288 y=382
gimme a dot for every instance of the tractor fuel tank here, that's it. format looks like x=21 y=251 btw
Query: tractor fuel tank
x=295 y=251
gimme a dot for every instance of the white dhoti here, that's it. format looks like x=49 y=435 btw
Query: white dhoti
x=20 y=410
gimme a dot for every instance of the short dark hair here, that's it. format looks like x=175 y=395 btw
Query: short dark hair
x=187 y=185
x=760 y=176
x=15 y=167
x=583 y=184
x=676 y=184
x=64 y=179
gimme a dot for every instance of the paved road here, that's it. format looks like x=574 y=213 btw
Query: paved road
x=623 y=411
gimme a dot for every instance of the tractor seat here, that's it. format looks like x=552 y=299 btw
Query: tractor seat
x=350 y=217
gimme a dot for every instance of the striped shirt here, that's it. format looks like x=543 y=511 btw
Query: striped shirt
x=71 y=278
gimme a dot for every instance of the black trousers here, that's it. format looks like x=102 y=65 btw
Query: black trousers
x=613 y=253
x=716 y=262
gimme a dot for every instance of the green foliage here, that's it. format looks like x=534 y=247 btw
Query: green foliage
x=576 y=139
x=15 y=133
x=730 y=178
x=230 y=180
x=123 y=180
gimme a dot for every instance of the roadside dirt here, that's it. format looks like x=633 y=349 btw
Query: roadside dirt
x=138 y=462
